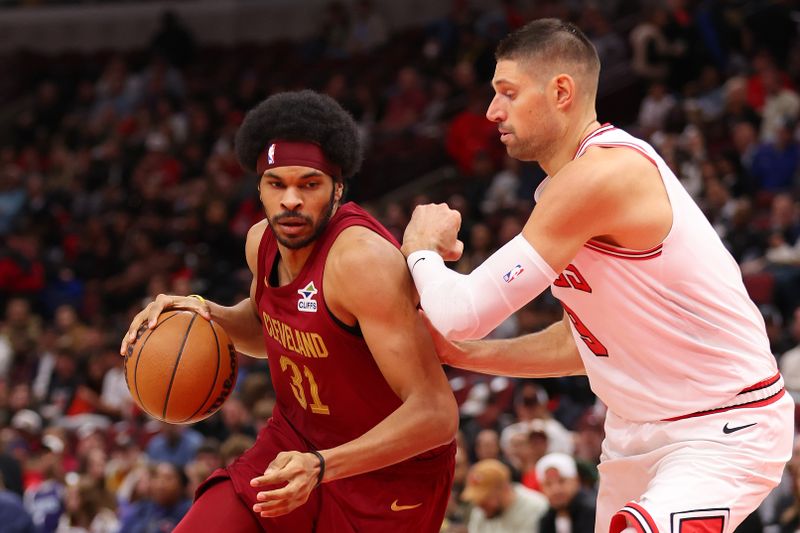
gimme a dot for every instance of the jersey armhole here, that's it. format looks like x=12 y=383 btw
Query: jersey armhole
x=353 y=330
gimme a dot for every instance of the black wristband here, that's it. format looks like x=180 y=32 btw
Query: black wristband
x=321 y=466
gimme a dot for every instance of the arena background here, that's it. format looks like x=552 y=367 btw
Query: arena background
x=118 y=182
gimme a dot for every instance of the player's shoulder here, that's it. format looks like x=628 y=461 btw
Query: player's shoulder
x=603 y=171
x=256 y=231
x=359 y=247
x=627 y=162
x=253 y=241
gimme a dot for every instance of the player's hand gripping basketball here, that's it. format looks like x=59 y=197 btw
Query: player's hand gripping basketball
x=434 y=227
x=148 y=317
x=299 y=471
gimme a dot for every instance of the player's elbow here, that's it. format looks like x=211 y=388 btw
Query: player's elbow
x=451 y=316
x=443 y=418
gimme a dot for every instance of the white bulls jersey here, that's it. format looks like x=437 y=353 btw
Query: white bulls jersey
x=669 y=331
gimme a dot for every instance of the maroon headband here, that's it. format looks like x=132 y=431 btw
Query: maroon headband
x=296 y=153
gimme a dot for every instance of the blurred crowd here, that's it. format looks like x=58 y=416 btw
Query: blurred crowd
x=118 y=181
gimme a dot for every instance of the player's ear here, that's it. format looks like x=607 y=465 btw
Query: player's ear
x=338 y=190
x=563 y=90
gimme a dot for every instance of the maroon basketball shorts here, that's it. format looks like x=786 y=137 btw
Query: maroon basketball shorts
x=411 y=496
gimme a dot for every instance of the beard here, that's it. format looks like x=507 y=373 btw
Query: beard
x=317 y=229
x=524 y=150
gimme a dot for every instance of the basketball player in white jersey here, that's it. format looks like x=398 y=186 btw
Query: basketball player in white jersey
x=698 y=428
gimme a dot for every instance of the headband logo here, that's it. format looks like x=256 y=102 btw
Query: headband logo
x=271 y=154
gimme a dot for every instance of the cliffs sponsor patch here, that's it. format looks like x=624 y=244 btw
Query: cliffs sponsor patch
x=307 y=303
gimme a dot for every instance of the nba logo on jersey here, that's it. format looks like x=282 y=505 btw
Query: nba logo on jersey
x=306 y=303
x=513 y=274
x=271 y=154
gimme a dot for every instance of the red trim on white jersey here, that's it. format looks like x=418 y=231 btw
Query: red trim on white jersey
x=763 y=393
x=621 y=144
x=623 y=253
x=602 y=129
x=763 y=384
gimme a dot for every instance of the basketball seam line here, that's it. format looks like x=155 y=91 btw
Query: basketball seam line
x=216 y=375
x=177 y=362
x=139 y=358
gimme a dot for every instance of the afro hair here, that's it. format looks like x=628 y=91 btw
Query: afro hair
x=301 y=116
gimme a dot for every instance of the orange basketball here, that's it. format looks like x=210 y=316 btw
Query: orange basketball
x=183 y=370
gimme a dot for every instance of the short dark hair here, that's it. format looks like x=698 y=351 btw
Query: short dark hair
x=551 y=38
x=301 y=116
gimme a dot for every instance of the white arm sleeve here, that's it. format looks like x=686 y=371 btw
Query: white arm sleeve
x=470 y=306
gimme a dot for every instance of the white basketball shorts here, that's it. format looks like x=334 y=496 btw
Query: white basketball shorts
x=703 y=473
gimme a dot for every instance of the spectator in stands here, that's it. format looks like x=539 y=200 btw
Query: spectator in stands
x=88 y=508
x=44 y=500
x=487 y=445
x=13 y=516
x=174 y=444
x=499 y=505
x=405 y=102
x=368 y=30
x=776 y=162
x=572 y=509
x=166 y=504
x=525 y=450
x=737 y=108
x=781 y=105
x=530 y=403
x=654 y=109
x=471 y=134
x=651 y=48
x=503 y=191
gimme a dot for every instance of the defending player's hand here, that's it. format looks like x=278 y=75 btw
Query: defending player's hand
x=299 y=471
x=148 y=317
x=434 y=227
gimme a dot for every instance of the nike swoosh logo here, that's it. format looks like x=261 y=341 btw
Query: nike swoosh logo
x=396 y=507
x=412 y=269
x=728 y=430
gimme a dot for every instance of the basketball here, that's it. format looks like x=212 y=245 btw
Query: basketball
x=183 y=370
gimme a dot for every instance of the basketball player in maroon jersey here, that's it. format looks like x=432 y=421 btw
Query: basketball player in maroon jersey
x=361 y=438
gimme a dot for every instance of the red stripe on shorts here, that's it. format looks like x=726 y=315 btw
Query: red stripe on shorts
x=645 y=514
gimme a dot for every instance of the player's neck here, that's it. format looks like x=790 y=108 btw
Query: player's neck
x=568 y=145
x=292 y=262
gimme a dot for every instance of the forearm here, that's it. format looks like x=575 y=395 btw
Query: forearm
x=470 y=306
x=547 y=353
x=422 y=422
x=242 y=325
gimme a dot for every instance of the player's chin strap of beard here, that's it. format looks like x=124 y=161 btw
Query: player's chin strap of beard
x=280 y=153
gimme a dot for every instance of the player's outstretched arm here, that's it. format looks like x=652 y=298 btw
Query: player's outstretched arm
x=367 y=278
x=544 y=354
x=579 y=203
x=240 y=321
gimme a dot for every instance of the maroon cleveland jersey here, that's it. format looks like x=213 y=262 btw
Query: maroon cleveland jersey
x=329 y=388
